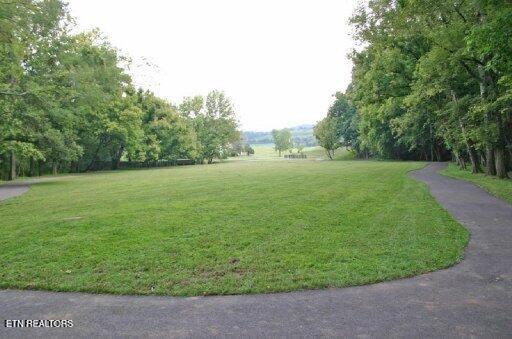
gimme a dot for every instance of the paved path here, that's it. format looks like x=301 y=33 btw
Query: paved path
x=473 y=298
x=12 y=190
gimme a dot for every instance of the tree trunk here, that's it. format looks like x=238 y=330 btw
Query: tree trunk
x=509 y=167
x=473 y=157
x=460 y=160
x=500 y=161
x=486 y=83
x=431 y=144
x=481 y=156
x=462 y=163
x=12 y=172
x=32 y=171
x=55 y=167
x=490 y=168
x=475 y=167
x=116 y=158
x=329 y=154
x=93 y=158
x=74 y=166
x=115 y=162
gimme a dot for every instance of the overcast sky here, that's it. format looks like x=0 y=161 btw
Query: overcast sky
x=280 y=61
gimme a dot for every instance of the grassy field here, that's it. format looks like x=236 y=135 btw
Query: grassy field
x=267 y=152
x=318 y=152
x=498 y=187
x=228 y=228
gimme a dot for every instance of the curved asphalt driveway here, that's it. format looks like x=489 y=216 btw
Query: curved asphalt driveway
x=474 y=298
x=12 y=190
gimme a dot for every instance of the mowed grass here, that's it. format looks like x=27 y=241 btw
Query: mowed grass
x=267 y=152
x=229 y=228
x=318 y=152
x=502 y=188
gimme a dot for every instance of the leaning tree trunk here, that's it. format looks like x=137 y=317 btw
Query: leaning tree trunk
x=329 y=154
x=501 y=163
x=460 y=160
x=462 y=163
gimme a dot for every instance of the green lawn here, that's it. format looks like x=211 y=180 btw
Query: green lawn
x=498 y=187
x=318 y=152
x=233 y=227
x=267 y=152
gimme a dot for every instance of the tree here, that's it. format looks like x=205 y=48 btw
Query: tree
x=438 y=86
x=248 y=149
x=282 y=140
x=236 y=148
x=67 y=102
x=327 y=132
x=216 y=126
x=30 y=33
x=191 y=106
x=168 y=134
x=345 y=111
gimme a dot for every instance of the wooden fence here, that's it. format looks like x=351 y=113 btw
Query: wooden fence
x=295 y=156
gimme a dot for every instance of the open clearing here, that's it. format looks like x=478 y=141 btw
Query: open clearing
x=230 y=228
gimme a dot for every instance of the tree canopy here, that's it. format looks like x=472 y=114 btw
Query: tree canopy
x=328 y=134
x=432 y=80
x=67 y=102
x=282 y=140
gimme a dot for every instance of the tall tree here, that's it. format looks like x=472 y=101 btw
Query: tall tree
x=328 y=134
x=282 y=140
x=216 y=126
x=347 y=121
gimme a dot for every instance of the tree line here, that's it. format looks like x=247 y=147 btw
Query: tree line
x=301 y=135
x=432 y=80
x=68 y=104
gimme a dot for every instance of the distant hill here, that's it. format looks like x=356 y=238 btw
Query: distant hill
x=301 y=135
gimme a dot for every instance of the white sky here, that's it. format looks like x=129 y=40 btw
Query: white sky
x=280 y=61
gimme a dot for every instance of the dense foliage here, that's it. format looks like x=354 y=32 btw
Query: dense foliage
x=67 y=103
x=328 y=134
x=432 y=80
